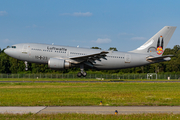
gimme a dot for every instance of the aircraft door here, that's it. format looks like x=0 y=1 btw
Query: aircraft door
x=67 y=53
x=127 y=58
x=25 y=49
x=29 y=51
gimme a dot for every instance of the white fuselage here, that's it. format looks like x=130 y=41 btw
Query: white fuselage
x=41 y=53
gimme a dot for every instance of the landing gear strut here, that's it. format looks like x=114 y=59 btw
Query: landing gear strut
x=82 y=73
x=26 y=64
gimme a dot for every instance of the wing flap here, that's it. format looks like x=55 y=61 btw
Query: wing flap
x=89 y=59
x=95 y=55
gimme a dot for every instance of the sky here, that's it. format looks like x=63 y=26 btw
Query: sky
x=124 y=24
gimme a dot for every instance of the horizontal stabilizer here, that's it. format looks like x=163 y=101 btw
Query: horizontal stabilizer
x=159 y=58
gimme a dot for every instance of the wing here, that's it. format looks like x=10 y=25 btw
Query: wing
x=89 y=59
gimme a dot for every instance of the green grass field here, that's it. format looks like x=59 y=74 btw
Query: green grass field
x=80 y=79
x=89 y=117
x=80 y=94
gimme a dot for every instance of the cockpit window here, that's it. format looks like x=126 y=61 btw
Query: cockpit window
x=13 y=46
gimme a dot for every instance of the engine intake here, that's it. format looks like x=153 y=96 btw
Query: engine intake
x=55 y=63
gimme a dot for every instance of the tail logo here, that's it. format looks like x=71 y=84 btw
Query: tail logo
x=159 y=50
x=160 y=44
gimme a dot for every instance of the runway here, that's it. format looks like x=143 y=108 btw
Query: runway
x=91 y=109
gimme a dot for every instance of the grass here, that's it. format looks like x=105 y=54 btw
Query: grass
x=30 y=116
x=80 y=79
x=46 y=79
x=80 y=94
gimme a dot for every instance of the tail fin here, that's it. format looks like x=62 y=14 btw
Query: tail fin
x=157 y=44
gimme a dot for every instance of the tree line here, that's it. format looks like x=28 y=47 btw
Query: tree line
x=12 y=65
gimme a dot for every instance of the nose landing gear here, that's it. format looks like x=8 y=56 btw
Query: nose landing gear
x=26 y=64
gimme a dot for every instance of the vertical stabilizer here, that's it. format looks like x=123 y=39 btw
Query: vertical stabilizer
x=157 y=44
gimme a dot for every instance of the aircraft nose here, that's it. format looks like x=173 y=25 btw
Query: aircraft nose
x=6 y=51
x=11 y=52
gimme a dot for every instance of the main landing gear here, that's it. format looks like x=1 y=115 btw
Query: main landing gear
x=26 y=64
x=82 y=73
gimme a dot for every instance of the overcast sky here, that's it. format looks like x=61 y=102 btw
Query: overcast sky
x=124 y=24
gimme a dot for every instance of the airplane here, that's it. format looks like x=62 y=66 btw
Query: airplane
x=65 y=57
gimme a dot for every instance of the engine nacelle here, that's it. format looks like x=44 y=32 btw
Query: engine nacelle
x=55 y=63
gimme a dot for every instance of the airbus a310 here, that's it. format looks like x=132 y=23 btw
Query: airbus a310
x=64 y=57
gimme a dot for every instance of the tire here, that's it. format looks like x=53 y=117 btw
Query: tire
x=79 y=74
x=26 y=69
x=84 y=74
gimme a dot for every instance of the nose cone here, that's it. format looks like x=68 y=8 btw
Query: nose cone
x=10 y=52
x=7 y=51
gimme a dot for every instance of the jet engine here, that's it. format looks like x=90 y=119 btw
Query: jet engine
x=55 y=63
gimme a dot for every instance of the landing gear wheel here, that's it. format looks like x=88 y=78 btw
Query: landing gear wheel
x=26 y=64
x=84 y=74
x=26 y=69
x=79 y=74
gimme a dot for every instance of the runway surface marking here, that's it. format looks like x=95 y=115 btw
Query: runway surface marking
x=21 y=110
x=91 y=109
